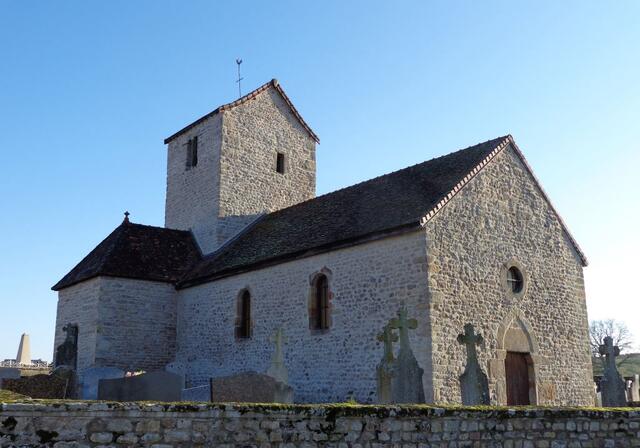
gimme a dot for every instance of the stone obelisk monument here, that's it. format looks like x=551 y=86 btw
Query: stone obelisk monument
x=24 y=350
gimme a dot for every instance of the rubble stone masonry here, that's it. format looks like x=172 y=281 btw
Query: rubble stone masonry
x=68 y=424
x=501 y=219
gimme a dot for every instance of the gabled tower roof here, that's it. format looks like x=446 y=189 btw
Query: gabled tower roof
x=249 y=96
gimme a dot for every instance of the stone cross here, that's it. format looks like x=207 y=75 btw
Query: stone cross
x=278 y=370
x=278 y=339
x=474 y=384
x=406 y=383
x=388 y=337
x=385 y=370
x=403 y=325
x=609 y=350
x=470 y=339
x=612 y=385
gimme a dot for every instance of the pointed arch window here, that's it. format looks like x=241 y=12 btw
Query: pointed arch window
x=320 y=317
x=243 y=319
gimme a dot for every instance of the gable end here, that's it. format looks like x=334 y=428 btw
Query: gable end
x=508 y=141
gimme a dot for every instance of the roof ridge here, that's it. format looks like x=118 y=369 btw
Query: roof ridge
x=272 y=83
x=502 y=138
x=157 y=227
x=504 y=141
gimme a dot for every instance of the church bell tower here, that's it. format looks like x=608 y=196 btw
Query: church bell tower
x=253 y=156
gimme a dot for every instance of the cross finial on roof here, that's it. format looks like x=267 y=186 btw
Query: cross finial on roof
x=126 y=216
x=240 y=78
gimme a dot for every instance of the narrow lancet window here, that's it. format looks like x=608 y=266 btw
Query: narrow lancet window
x=280 y=163
x=192 y=152
x=321 y=321
x=243 y=326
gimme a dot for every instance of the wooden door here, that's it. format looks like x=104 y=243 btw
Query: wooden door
x=517 y=373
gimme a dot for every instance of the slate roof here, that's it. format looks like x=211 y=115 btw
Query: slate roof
x=394 y=203
x=390 y=203
x=138 y=252
x=249 y=96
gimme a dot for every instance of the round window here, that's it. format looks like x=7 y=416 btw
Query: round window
x=515 y=279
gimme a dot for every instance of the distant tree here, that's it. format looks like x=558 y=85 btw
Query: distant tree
x=617 y=330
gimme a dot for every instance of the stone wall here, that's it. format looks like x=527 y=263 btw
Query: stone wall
x=235 y=179
x=368 y=283
x=130 y=324
x=159 y=425
x=78 y=304
x=192 y=194
x=253 y=133
x=137 y=324
x=500 y=219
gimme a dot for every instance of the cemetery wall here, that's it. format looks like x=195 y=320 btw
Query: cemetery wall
x=66 y=424
x=498 y=220
x=368 y=284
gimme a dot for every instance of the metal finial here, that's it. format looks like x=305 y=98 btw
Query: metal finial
x=240 y=78
x=126 y=216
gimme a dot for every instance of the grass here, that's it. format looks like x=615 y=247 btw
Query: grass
x=7 y=395
x=628 y=365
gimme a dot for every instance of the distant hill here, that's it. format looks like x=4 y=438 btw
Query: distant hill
x=628 y=365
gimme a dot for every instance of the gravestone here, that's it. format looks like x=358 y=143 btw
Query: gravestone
x=384 y=370
x=250 y=387
x=198 y=393
x=278 y=370
x=473 y=382
x=406 y=383
x=612 y=386
x=92 y=376
x=635 y=389
x=67 y=352
x=155 y=386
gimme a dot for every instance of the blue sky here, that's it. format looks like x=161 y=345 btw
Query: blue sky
x=88 y=91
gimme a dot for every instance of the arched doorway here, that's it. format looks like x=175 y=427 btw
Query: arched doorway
x=514 y=370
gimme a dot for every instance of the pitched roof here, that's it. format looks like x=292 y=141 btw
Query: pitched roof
x=398 y=201
x=138 y=252
x=273 y=83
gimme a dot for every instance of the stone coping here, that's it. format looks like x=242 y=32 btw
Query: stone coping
x=313 y=410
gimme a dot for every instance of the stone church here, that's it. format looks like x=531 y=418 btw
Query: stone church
x=247 y=248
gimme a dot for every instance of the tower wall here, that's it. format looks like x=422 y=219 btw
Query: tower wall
x=192 y=193
x=253 y=134
x=236 y=179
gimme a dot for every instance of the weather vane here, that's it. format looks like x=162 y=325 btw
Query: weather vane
x=239 y=61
